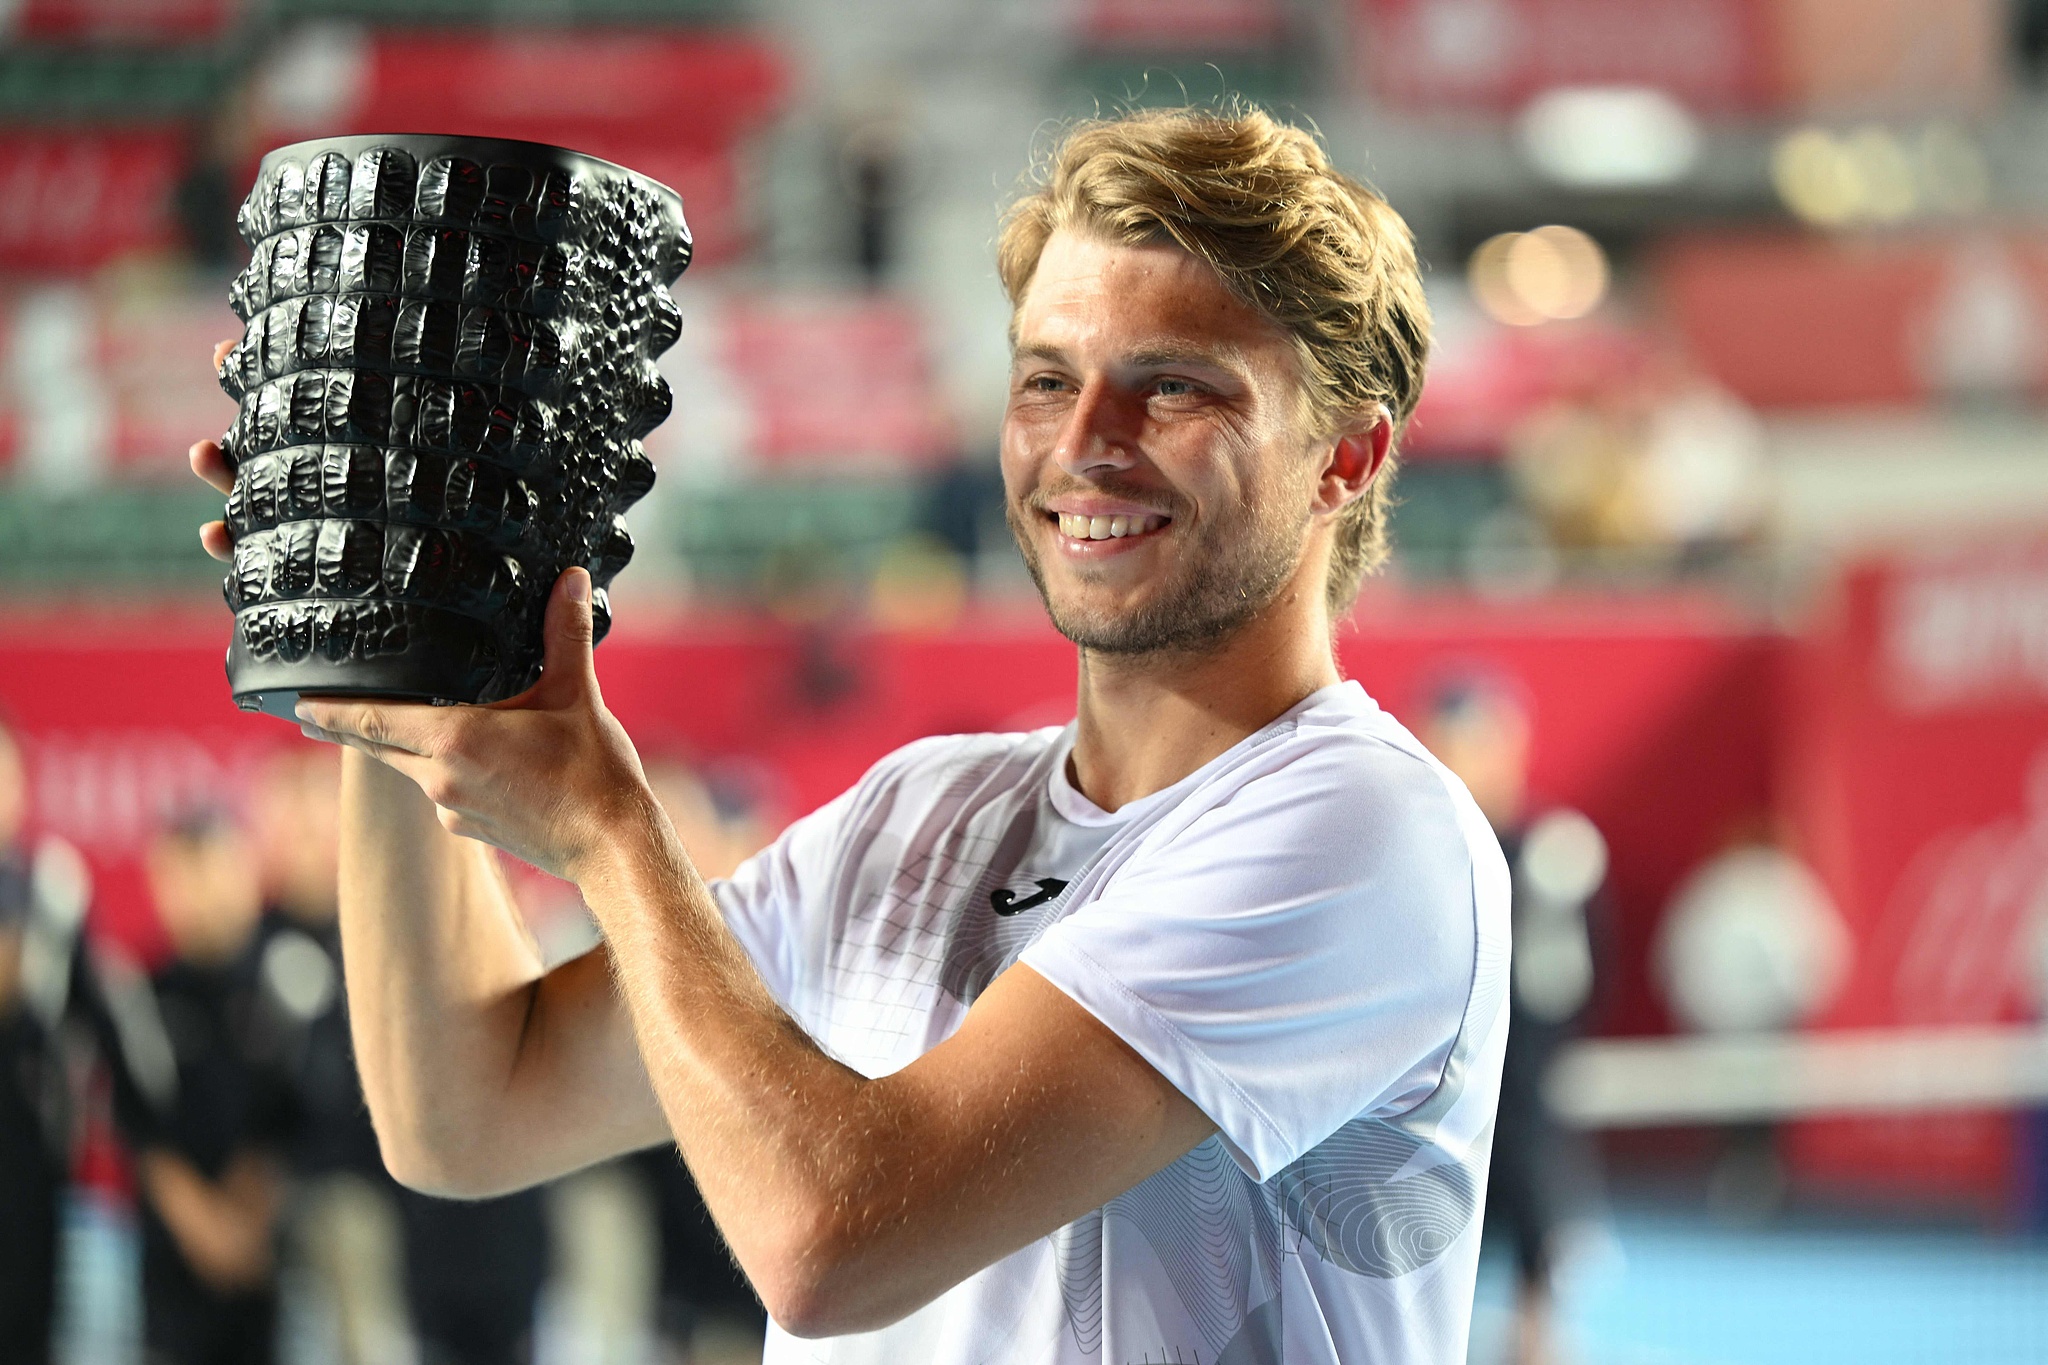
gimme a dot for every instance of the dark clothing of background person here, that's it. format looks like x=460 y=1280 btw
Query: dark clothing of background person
x=697 y=1272
x=50 y=1026
x=474 y=1271
x=31 y=1190
x=1538 y=1165
x=333 y=1131
x=228 y=1097
x=33 y=1156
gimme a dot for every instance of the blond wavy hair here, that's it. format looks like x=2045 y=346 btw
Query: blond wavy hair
x=1318 y=252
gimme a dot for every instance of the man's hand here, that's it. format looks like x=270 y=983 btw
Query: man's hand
x=547 y=776
x=211 y=465
x=223 y=1227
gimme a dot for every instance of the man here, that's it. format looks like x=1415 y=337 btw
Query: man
x=34 y=1114
x=202 y=1097
x=466 y=1275
x=1173 y=1034
x=1479 y=725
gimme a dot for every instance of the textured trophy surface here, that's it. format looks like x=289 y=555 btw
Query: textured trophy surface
x=445 y=373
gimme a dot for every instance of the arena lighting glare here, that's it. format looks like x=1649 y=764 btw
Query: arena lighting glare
x=1610 y=137
x=1871 y=176
x=1548 y=274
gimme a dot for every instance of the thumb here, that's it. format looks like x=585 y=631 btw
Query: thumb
x=566 y=664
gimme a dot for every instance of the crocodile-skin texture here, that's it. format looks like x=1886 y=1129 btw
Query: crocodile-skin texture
x=447 y=367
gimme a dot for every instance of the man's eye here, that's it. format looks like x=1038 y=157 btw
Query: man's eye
x=1173 y=388
x=1044 y=383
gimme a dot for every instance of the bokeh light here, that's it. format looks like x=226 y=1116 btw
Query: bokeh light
x=1610 y=137
x=1548 y=274
x=1872 y=176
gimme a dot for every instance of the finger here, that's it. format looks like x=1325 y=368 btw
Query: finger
x=409 y=727
x=420 y=770
x=220 y=352
x=214 y=536
x=210 y=464
x=567 y=669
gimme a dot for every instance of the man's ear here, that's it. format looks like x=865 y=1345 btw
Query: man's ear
x=1355 y=460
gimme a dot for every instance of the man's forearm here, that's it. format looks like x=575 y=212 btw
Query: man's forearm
x=852 y=1201
x=440 y=972
x=781 y=1138
x=482 y=1074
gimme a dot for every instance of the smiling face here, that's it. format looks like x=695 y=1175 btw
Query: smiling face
x=1158 y=456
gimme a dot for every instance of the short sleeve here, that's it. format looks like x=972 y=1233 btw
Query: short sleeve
x=764 y=900
x=1298 y=953
x=779 y=903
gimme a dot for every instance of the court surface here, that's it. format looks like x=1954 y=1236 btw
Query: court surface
x=1672 y=1288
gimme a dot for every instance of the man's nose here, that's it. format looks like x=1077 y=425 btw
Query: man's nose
x=1101 y=432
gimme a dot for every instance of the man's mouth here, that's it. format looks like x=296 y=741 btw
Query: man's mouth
x=1078 y=527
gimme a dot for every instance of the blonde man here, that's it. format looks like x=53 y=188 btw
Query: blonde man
x=1173 y=1034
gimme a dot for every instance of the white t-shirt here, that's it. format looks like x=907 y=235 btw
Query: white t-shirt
x=1308 y=936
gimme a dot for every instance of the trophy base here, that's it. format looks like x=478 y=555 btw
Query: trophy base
x=440 y=657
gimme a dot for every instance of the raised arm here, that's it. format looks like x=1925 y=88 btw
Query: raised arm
x=482 y=1073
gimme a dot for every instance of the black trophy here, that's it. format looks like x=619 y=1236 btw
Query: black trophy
x=447 y=367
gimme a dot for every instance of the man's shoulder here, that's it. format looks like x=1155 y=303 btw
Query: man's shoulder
x=1347 y=780
x=1347 y=749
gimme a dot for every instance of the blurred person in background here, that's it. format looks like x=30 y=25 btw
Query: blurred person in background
x=1479 y=726
x=344 y=1216
x=474 y=1271
x=461 y=1281
x=34 y=1109
x=205 y=1102
x=221 y=146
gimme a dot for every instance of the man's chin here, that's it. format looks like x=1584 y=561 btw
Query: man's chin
x=1145 y=628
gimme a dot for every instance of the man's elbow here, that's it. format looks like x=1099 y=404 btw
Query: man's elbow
x=817 y=1279
x=444 y=1166
x=808 y=1304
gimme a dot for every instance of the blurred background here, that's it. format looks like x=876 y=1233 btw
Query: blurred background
x=1721 y=575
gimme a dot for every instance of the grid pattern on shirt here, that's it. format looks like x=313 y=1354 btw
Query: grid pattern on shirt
x=881 y=988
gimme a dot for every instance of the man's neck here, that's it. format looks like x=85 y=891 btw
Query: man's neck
x=1148 y=720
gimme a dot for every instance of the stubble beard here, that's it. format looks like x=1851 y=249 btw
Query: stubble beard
x=1228 y=576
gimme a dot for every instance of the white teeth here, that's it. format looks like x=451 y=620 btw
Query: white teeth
x=1106 y=528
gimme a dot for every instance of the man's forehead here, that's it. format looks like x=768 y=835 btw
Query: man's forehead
x=1144 y=304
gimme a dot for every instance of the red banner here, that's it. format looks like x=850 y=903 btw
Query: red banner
x=1714 y=55
x=76 y=200
x=1160 y=25
x=124 y=21
x=670 y=105
x=844 y=379
x=1486 y=381
x=1919 y=784
x=1652 y=718
x=1805 y=320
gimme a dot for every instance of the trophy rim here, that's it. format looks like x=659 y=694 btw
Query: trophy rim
x=354 y=144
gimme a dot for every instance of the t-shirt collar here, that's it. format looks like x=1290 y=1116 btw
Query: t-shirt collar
x=1072 y=806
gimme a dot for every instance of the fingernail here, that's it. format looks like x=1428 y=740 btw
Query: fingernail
x=303 y=711
x=579 y=587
